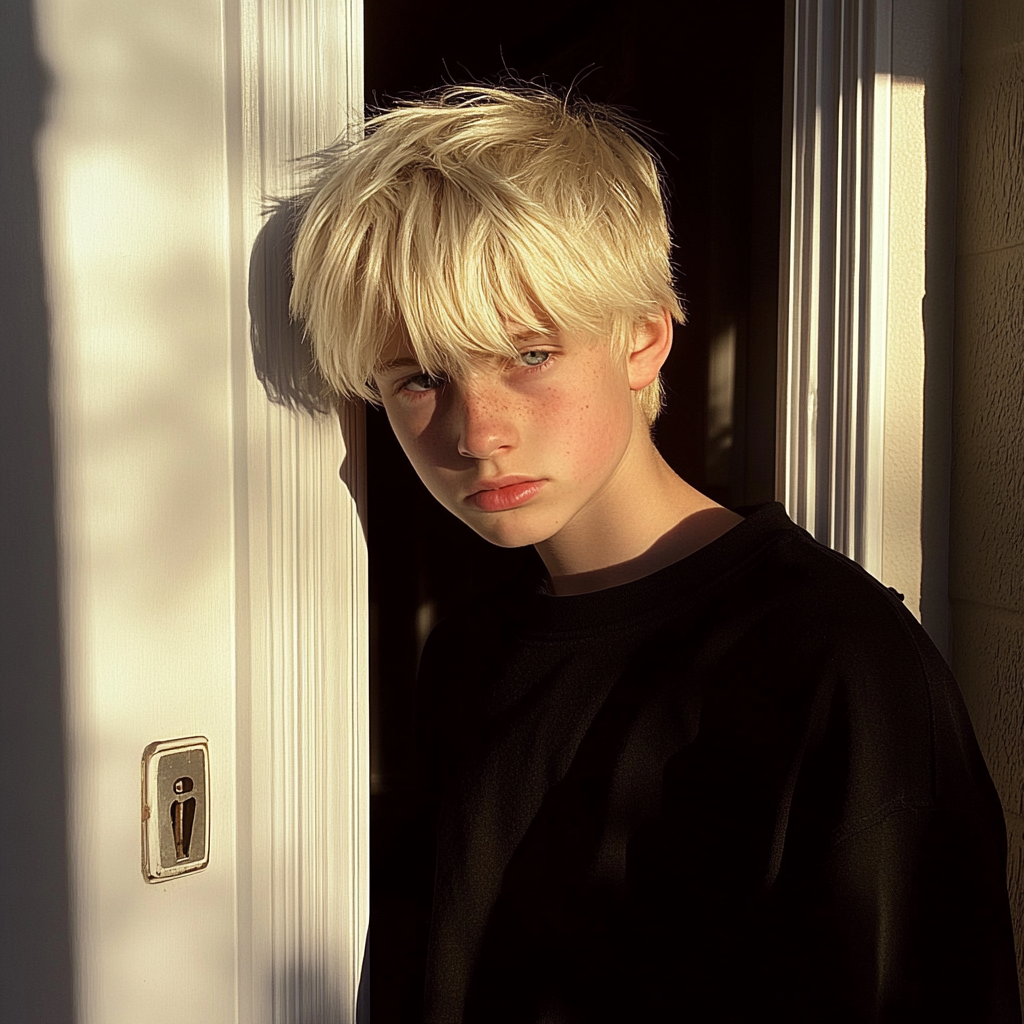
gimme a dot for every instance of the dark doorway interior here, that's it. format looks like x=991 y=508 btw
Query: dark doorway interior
x=707 y=79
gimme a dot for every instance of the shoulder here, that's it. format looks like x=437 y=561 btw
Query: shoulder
x=474 y=625
x=820 y=622
x=906 y=724
x=819 y=600
x=463 y=651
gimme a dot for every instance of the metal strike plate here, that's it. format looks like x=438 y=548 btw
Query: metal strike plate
x=175 y=808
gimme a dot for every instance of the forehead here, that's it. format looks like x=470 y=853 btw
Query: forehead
x=395 y=353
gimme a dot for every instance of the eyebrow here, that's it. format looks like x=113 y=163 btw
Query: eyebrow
x=396 y=364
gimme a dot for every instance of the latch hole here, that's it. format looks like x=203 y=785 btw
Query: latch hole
x=183 y=816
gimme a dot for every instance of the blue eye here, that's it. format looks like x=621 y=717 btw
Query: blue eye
x=541 y=357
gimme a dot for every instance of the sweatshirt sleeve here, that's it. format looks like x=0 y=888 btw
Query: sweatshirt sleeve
x=899 y=912
x=905 y=921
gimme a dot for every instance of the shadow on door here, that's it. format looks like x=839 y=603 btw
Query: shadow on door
x=36 y=981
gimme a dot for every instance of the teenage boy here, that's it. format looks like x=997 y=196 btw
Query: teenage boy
x=705 y=769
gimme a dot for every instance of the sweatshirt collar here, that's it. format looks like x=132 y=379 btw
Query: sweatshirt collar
x=657 y=595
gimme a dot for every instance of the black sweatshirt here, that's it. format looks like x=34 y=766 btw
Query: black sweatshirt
x=743 y=788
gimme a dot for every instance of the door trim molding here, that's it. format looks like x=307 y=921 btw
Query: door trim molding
x=302 y=604
x=834 y=272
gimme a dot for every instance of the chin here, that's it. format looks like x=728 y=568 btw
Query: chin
x=508 y=534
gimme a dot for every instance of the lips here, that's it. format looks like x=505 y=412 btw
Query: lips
x=504 y=493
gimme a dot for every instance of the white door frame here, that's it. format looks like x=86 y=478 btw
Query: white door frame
x=834 y=272
x=302 y=704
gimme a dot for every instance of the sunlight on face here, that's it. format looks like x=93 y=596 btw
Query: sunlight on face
x=518 y=448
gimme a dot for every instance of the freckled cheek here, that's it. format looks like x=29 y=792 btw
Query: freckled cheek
x=588 y=429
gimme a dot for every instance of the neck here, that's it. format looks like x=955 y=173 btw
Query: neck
x=647 y=517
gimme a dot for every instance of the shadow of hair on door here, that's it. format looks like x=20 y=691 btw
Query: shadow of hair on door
x=281 y=355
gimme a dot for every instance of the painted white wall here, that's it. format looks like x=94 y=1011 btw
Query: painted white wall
x=212 y=561
x=905 y=349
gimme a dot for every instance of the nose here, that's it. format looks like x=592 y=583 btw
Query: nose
x=484 y=420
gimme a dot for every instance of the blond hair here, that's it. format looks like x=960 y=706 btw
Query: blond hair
x=467 y=217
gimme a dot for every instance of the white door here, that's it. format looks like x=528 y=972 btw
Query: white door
x=211 y=561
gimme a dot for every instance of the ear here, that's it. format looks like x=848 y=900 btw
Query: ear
x=652 y=342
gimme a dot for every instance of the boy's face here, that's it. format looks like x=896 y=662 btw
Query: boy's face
x=518 y=449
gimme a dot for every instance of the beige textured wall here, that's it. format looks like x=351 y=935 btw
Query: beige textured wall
x=987 y=500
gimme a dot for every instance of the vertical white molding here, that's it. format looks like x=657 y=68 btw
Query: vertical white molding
x=834 y=272
x=303 y=895
x=878 y=305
